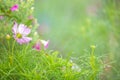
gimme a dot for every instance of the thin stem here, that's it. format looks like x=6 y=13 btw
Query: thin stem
x=11 y=56
x=13 y=47
x=8 y=46
x=93 y=49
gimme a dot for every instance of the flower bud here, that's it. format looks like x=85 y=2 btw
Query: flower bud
x=8 y=37
x=93 y=46
x=35 y=33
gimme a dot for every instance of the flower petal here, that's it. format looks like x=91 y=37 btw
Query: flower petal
x=26 y=31
x=37 y=46
x=20 y=41
x=45 y=43
x=14 y=7
x=24 y=40
x=27 y=39
x=23 y=30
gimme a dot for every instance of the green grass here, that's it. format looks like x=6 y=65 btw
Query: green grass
x=25 y=63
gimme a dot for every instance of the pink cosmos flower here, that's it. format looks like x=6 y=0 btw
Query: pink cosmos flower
x=14 y=7
x=38 y=45
x=20 y=33
x=45 y=43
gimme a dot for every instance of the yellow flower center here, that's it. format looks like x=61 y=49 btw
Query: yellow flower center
x=19 y=35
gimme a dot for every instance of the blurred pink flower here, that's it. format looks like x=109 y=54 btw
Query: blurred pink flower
x=20 y=33
x=38 y=45
x=1 y=17
x=14 y=7
x=30 y=17
x=45 y=43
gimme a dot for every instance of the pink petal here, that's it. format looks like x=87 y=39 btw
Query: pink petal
x=23 y=29
x=37 y=46
x=14 y=8
x=20 y=41
x=24 y=40
x=27 y=39
x=45 y=43
x=26 y=31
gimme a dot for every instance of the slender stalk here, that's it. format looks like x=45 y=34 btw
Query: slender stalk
x=13 y=47
x=11 y=56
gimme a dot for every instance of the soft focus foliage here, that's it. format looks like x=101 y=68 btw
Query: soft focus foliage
x=20 y=61
x=73 y=25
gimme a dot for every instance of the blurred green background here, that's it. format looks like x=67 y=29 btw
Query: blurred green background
x=72 y=26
